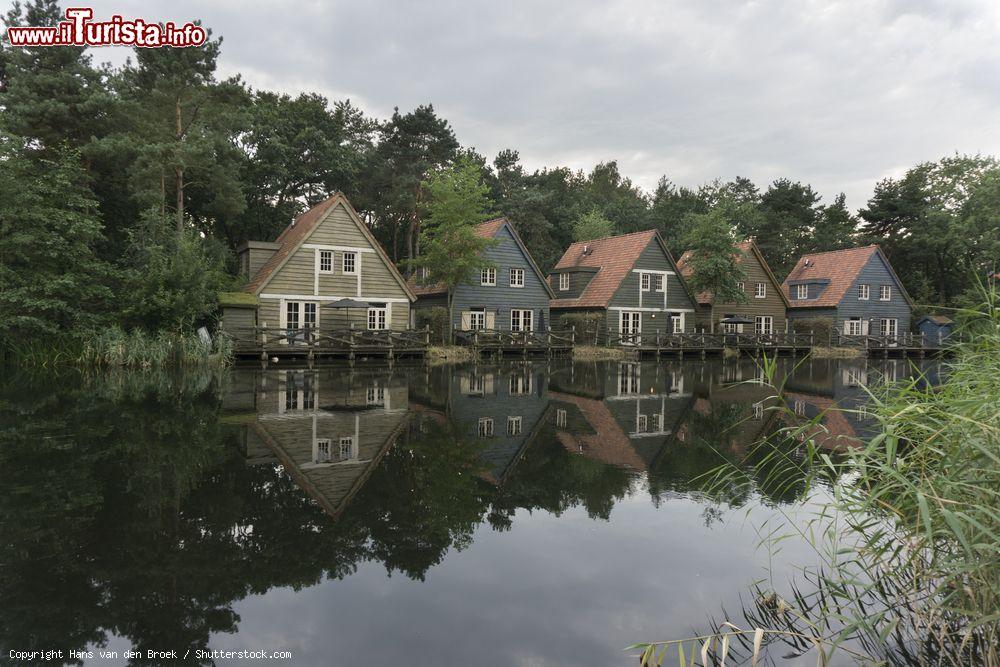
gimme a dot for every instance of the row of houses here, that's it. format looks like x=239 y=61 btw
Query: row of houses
x=630 y=284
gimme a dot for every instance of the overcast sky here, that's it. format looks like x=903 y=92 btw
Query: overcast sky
x=836 y=94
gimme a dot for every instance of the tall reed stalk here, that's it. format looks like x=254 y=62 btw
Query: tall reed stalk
x=909 y=543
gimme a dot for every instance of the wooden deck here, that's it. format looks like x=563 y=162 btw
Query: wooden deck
x=755 y=344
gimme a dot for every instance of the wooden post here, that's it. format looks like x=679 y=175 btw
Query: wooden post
x=427 y=335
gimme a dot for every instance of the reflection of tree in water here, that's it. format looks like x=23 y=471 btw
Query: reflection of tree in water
x=553 y=479
x=130 y=513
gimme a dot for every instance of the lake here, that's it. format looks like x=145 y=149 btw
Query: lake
x=492 y=514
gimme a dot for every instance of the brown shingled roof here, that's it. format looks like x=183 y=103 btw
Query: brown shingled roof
x=295 y=234
x=614 y=256
x=840 y=267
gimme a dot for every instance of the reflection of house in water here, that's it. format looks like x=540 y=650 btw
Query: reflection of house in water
x=629 y=426
x=327 y=429
x=500 y=407
x=734 y=407
x=836 y=392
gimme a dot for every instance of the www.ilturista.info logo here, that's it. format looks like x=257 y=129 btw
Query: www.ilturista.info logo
x=79 y=30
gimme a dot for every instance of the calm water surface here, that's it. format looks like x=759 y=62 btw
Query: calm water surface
x=512 y=514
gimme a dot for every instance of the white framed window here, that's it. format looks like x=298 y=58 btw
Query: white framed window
x=802 y=291
x=521 y=320
x=561 y=418
x=742 y=286
x=485 y=427
x=863 y=292
x=517 y=277
x=349 y=263
x=309 y=315
x=322 y=453
x=862 y=413
x=852 y=327
x=326 y=261
x=520 y=385
x=763 y=324
x=513 y=426
x=641 y=424
x=658 y=282
x=758 y=410
x=658 y=422
x=884 y=292
x=488 y=277
x=800 y=408
x=677 y=323
x=477 y=320
x=347 y=448
x=563 y=282
x=628 y=379
x=375 y=396
x=888 y=327
x=854 y=377
x=644 y=282
x=760 y=291
x=377 y=318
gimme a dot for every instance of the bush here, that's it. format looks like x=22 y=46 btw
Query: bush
x=820 y=327
x=436 y=318
x=589 y=327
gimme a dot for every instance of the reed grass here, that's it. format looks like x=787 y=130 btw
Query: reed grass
x=116 y=348
x=909 y=542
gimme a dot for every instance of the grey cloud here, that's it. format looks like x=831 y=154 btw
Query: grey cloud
x=838 y=94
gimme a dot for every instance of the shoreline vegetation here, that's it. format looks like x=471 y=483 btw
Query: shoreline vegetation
x=116 y=348
x=907 y=542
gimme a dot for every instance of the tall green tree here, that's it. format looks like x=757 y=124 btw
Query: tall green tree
x=52 y=283
x=835 y=226
x=715 y=266
x=52 y=97
x=938 y=225
x=185 y=126
x=789 y=213
x=670 y=208
x=592 y=225
x=451 y=251
x=410 y=147
x=296 y=152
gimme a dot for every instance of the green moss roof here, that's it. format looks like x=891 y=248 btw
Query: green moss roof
x=243 y=299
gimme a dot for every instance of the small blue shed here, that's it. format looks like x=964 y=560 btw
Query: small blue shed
x=935 y=328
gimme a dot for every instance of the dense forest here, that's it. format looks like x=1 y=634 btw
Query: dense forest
x=123 y=191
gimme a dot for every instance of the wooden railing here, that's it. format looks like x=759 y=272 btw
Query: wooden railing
x=490 y=339
x=708 y=341
x=898 y=341
x=260 y=338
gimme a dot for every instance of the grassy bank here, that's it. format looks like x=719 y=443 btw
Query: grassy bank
x=591 y=353
x=449 y=354
x=116 y=348
x=909 y=542
x=821 y=352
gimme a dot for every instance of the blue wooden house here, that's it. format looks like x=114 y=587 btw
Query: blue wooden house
x=511 y=294
x=935 y=328
x=856 y=288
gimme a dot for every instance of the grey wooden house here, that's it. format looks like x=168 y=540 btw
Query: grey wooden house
x=509 y=295
x=632 y=280
x=855 y=288
x=765 y=303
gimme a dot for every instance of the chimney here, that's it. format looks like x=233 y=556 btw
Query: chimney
x=586 y=250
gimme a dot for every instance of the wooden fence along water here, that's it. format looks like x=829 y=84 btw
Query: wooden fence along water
x=351 y=344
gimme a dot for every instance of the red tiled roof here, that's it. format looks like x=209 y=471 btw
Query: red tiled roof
x=609 y=444
x=614 y=256
x=840 y=267
x=834 y=430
